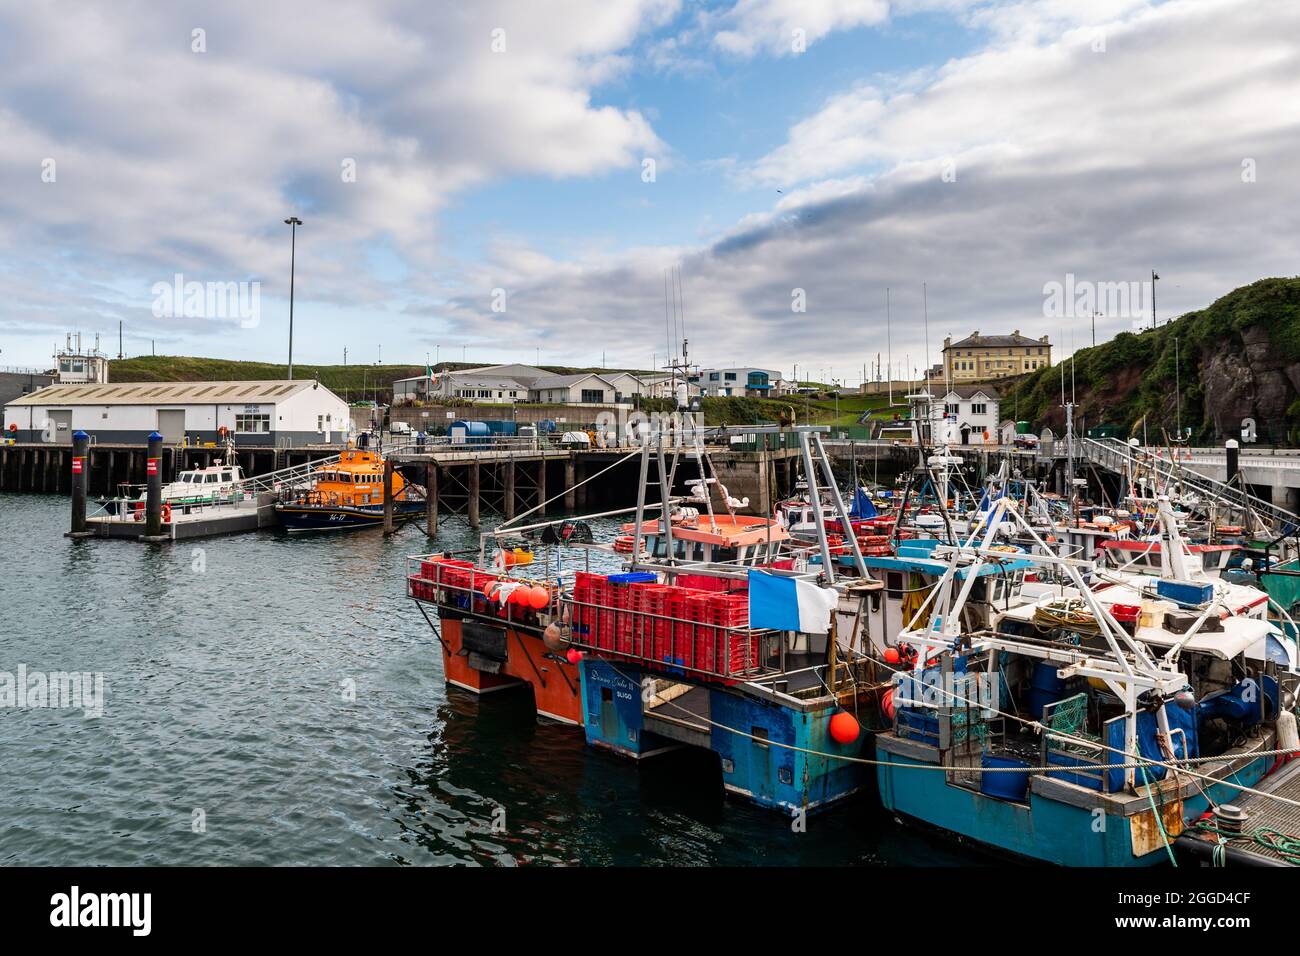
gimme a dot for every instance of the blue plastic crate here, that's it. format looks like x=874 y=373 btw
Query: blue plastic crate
x=1185 y=592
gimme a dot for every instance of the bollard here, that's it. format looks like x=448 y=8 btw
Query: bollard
x=1234 y=461
x=153 y=487
x=80 y=476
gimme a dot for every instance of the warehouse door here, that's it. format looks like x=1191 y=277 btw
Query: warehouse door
x=61 y=427
x=171 y=424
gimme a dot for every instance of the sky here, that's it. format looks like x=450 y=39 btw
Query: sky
x=838 y=184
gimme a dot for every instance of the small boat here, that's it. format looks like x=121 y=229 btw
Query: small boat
x=347 y=494
x=222 y=482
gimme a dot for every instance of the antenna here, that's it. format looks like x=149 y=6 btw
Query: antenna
x=925 y=306
x=889 y=346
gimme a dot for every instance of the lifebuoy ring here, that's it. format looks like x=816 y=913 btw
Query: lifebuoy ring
x=167 y=512
x=624 y=544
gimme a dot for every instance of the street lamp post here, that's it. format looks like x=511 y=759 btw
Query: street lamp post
x=293 y=222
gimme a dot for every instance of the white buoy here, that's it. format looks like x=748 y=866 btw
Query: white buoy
x=1288 y=738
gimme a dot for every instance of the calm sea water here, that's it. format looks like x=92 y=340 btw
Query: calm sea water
x=227 y=665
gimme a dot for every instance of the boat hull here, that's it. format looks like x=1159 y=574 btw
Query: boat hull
x=1044 y=829
x=298 y=518
x=482 y=657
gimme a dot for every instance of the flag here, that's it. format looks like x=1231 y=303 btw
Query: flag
x=862 y=506
x=788 y=604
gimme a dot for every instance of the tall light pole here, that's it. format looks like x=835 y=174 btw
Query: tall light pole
x=293 y=222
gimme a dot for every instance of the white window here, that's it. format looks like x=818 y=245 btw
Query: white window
x=979 y=408
x=257 y=424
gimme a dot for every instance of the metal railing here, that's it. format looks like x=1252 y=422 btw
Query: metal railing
x=1115 y=455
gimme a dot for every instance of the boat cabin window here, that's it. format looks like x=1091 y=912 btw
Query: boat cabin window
x=227 y=476
x=210 y=479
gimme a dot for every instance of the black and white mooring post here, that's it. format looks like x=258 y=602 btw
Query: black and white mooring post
x=1233 y=449
x=80 y=476
x=153 y=488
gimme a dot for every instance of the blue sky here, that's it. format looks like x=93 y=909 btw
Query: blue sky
x=986 y=148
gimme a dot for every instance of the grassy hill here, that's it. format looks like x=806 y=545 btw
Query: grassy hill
x=1238 y=358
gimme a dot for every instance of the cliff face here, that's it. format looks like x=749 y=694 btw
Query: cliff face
x=1237 y=359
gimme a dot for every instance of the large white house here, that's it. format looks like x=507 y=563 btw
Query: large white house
x=971 y=412
x=252 y=413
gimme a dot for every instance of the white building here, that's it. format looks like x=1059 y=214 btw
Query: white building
x=277 y=413
x=490 y=383
x=75 y=365
x=626 y=385
x=971 y=412
x=586 y=388
x=751 y=382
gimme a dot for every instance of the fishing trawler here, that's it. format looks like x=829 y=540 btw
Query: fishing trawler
x=1076 y=728
x=347 y=494
x=699 y=635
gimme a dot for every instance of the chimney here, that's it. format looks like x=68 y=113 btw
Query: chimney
x=1016 y=333
x=1043 y=340
x=947 y=341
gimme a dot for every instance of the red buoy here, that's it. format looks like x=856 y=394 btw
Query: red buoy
x=844 y=728
x=887 y=704
x=538 y=598
x=574 y=655
x=892 y=656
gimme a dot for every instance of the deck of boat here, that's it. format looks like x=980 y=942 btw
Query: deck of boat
x=1262 y=814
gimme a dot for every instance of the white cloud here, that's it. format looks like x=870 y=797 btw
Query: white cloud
x=1103 y=164
x=173 y=160
x=779 y=26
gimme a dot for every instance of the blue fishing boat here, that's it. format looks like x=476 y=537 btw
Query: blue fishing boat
x=1073 y=728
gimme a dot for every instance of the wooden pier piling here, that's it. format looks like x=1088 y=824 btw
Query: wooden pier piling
x=431 y=501
x=472 y=504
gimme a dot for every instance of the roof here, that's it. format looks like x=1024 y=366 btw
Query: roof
x=565 y=381
x=165 y=393
x=994 y=341
x=970 y=391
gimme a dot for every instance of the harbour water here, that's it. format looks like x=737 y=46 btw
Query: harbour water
x=277 y=700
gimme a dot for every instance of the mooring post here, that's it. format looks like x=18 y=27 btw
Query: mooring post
x=541 y=485
x=1233 y=461
x=472 y=505
x=509 y=506
x=570 y=479
x=80 y=460
x=153 y=487
x=431 y=502
x=388 y=496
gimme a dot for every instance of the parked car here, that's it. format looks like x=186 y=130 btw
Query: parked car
x=1026 y=441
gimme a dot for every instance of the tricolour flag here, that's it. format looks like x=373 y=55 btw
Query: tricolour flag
x=788 y=604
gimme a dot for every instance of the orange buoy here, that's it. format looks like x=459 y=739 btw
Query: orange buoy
x=844 y=728
x=887 y=704
x=538 y=598
x=892 y=656
x=488 y=587
x=574 y=655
